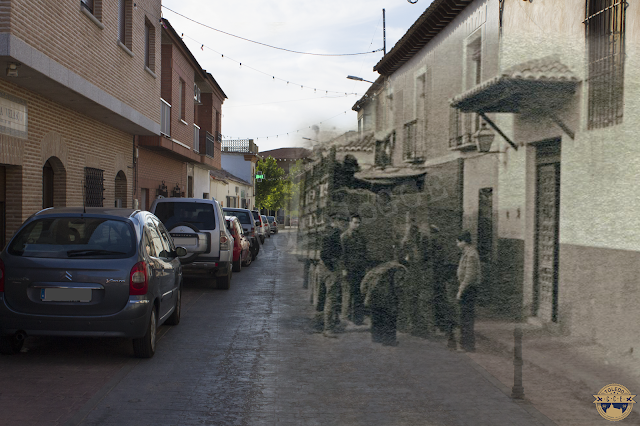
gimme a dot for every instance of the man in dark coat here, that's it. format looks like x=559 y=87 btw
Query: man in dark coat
x=354 y=249
x=331 y=256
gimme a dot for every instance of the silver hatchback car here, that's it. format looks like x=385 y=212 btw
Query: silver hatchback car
x=103 y=272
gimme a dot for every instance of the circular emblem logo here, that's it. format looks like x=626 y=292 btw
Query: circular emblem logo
x=614 y=402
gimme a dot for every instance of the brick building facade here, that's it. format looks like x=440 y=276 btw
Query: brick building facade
x=76 y=92
x=177 y=162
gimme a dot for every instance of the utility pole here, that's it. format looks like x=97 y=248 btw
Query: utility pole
x=384 y=34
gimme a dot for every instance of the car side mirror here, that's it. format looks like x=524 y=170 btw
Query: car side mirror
x=181 y=251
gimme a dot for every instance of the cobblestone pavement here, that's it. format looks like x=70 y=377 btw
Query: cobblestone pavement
x=248 y=356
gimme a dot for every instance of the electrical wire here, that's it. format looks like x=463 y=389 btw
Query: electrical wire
x=281 y=102
x=273 y=77
x=268 y=45
x=282 y=134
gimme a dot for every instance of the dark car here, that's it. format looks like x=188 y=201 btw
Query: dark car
x=273 y=223
x=249 y=227
x=241 y=245
x=103 y=272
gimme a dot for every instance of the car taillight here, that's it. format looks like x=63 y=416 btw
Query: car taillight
x=252 y=232
x=138 y=280
x=224 y=241
x=1 y=275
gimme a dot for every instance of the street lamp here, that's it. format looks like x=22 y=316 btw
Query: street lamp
x=484 y=138
x=353 y=77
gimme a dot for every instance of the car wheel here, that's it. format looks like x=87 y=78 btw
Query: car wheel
x=224 y=282
x=145 y=346
x=174 y=319
x=249 y=259
x=10 y=345
x=237 y=266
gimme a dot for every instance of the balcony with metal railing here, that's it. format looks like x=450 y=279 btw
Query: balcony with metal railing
x=245 y=146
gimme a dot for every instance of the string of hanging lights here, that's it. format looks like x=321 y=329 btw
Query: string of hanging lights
x=268 y=45
x=226 y=137
x=273 y=77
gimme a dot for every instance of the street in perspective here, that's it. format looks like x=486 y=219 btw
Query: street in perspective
x=372 y=212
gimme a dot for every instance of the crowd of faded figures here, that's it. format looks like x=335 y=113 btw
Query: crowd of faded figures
x=409 y=292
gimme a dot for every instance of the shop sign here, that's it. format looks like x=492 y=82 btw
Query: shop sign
x=13 y=116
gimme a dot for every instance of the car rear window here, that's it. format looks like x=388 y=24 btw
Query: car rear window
x=200 y=215
x=271 y=218
x=75 y=237
x=243 y=217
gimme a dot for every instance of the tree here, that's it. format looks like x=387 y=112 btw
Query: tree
x=295 y=175
x=274 y=191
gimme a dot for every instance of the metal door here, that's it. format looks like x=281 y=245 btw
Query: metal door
x=546 y=247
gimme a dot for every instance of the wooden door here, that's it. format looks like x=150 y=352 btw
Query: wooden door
x=546 y=247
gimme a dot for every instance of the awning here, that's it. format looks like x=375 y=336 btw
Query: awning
x=390 y=175
x=538 y=84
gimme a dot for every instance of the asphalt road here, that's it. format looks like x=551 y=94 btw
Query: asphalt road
x=249 y=356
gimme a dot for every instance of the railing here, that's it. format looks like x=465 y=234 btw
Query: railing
x=165 y=117
x=240 y=145
x=460 y=129
x=210 y=145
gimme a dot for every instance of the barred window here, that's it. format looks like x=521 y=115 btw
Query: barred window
x=605 y=22
x=93 y=187
x=410 y=148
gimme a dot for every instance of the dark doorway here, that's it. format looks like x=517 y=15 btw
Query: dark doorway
x=545 y=287
x=485 y=224
x=47 y=185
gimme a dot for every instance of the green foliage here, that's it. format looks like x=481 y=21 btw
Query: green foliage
x=295 y=175
x=275 y=189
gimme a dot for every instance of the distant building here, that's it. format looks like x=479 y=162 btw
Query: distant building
x=287 y=157
x=239 y=158
x=230 y=190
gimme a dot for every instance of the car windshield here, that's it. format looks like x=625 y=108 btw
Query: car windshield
x=200 y=215
x=65 y=237
x=243 y=217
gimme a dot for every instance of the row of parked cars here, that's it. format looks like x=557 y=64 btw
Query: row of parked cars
x=119 y=272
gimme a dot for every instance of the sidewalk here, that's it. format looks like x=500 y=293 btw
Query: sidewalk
x=560 y=373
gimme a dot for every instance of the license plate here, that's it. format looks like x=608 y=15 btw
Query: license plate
x=65 y=295
x=181 y=241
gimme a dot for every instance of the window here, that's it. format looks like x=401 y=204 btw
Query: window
x=181 y=95
x=411 y=151
x=196 y=138
x=196 y=94
x=93 y=187
x=605 y=22
x=165 y=117
x=125 y=30
x=94 y=9
x=87 y=4
x=384 y=151
x=149 y=45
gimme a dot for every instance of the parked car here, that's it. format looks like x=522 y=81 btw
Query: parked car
x=294 y=221
x=241 y=245
x=103 y=272
x=267 y=226
x=273 y=224
x=198 y=225
x=259 y=225
x=249 y=226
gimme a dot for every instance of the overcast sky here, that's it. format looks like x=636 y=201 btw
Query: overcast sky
x=259 y=106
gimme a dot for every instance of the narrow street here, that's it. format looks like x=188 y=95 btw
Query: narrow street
x=248 y=356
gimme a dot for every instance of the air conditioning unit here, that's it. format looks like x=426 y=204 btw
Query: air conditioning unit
x=196 y=94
